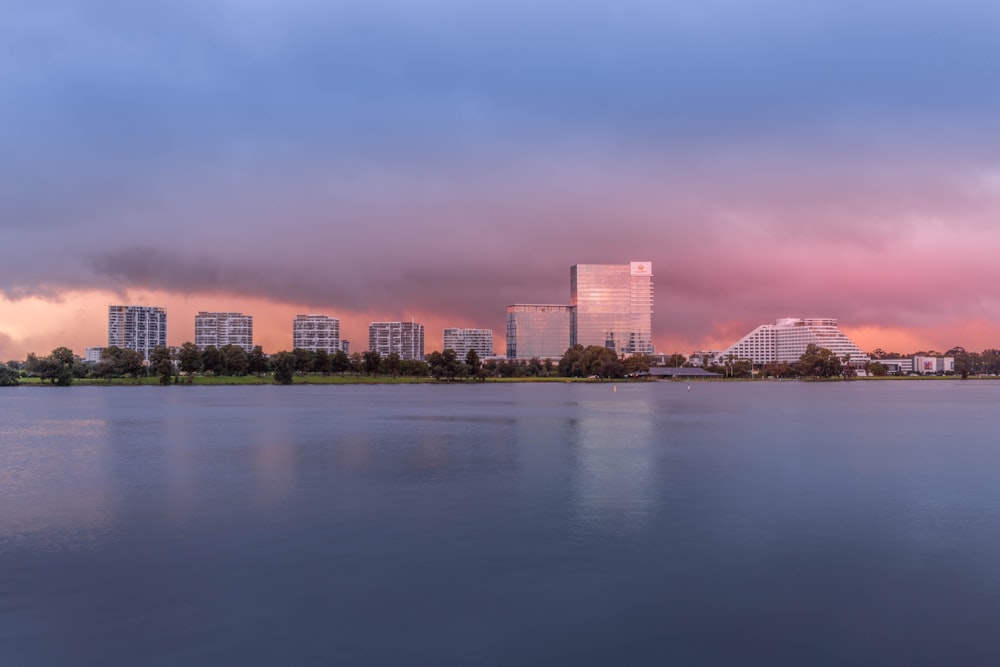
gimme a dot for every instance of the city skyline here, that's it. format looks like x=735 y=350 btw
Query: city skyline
x=810 y=159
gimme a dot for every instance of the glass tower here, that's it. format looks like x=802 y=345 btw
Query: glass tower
x=538 y=330
x=613 y=306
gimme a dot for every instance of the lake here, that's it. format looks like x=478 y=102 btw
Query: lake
x=502 y=524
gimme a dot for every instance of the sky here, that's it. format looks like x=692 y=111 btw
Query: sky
x=439 y=160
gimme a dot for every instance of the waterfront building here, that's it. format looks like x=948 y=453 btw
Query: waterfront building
x=93 y=354
x=613 y=306
x=345 y=347
x=221 y=329
x=538 y=330
x=932 y=365
x=463 y=340
x=786 y=341
x=704 y=357
x=404 y=338
x=902 y=366
x=315 y=333
x=139 y=328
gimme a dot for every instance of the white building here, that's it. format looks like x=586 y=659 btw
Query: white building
x=463 y=340
x=700 y=358
x=404 y=338
x=139 y=328
x=933 y=365
x=315 y=333
x=787 y=339
x=221 y=329
x=93 y=354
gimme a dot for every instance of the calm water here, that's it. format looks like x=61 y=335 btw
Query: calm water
x=729 y=524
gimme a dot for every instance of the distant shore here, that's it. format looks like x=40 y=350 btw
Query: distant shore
x=379 y=379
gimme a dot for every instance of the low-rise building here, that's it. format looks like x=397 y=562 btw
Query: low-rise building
x=463 y=340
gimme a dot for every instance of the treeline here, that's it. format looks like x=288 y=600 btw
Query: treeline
x=62 y=366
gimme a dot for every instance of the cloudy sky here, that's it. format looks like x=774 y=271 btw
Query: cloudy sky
x=441 y=159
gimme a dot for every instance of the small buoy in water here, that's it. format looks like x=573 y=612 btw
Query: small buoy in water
x=615 y=389
x=689 y=387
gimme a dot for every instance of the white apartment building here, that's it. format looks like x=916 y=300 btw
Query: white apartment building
x=787 y=339
x=221 y=329
x=463 y=340
x=93 y=354
x=316 y=332
x=404 y=338
x=139 y=328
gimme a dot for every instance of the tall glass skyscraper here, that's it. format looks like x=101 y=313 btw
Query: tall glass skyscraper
x=613 y=306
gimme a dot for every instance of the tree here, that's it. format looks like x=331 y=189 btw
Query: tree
x=256 y=362
x=473 y=363
x=877 y=369
x=8 y=377
x=638 y=363
x=303 y=360
x=818 y=361
x=392 y=364
x=235 y=360
x=372 y=361
x=340 y=363
x=132 y=363
x=162 y=364
x=283 y=365
x=189 y=358
x=357 y=363
x=322 y=363
x=212 y=360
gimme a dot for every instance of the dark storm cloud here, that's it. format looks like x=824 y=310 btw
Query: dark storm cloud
x=458 y=156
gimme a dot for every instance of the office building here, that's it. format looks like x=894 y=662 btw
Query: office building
x=93 y=354
x=613 y=306
x=404 y=338
x=315 y=333
x=463 y=340
x=221 y=329
x=786 y=341
x=139 y=328
x=538 y=330
x=931 y=365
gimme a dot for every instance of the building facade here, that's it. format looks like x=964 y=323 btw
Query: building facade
x=463 y=340
x=93 y=355
x=786 y=341
x=538 y=330
x=404 y=338
x=315 y=333
x=613 y=306
x=139 y=328
x=221 y=329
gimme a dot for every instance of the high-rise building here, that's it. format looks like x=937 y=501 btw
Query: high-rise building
x=220 y=329
x=463 y=340
x=786 y=341
x=139 y=328
x=315 y=333
x=404 y=338
x=538 y=330
x=613 y=305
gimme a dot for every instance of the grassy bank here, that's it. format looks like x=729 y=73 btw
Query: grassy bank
x=300 y=379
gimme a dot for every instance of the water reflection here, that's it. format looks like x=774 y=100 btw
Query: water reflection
x=613 y=442
x=55 y=481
